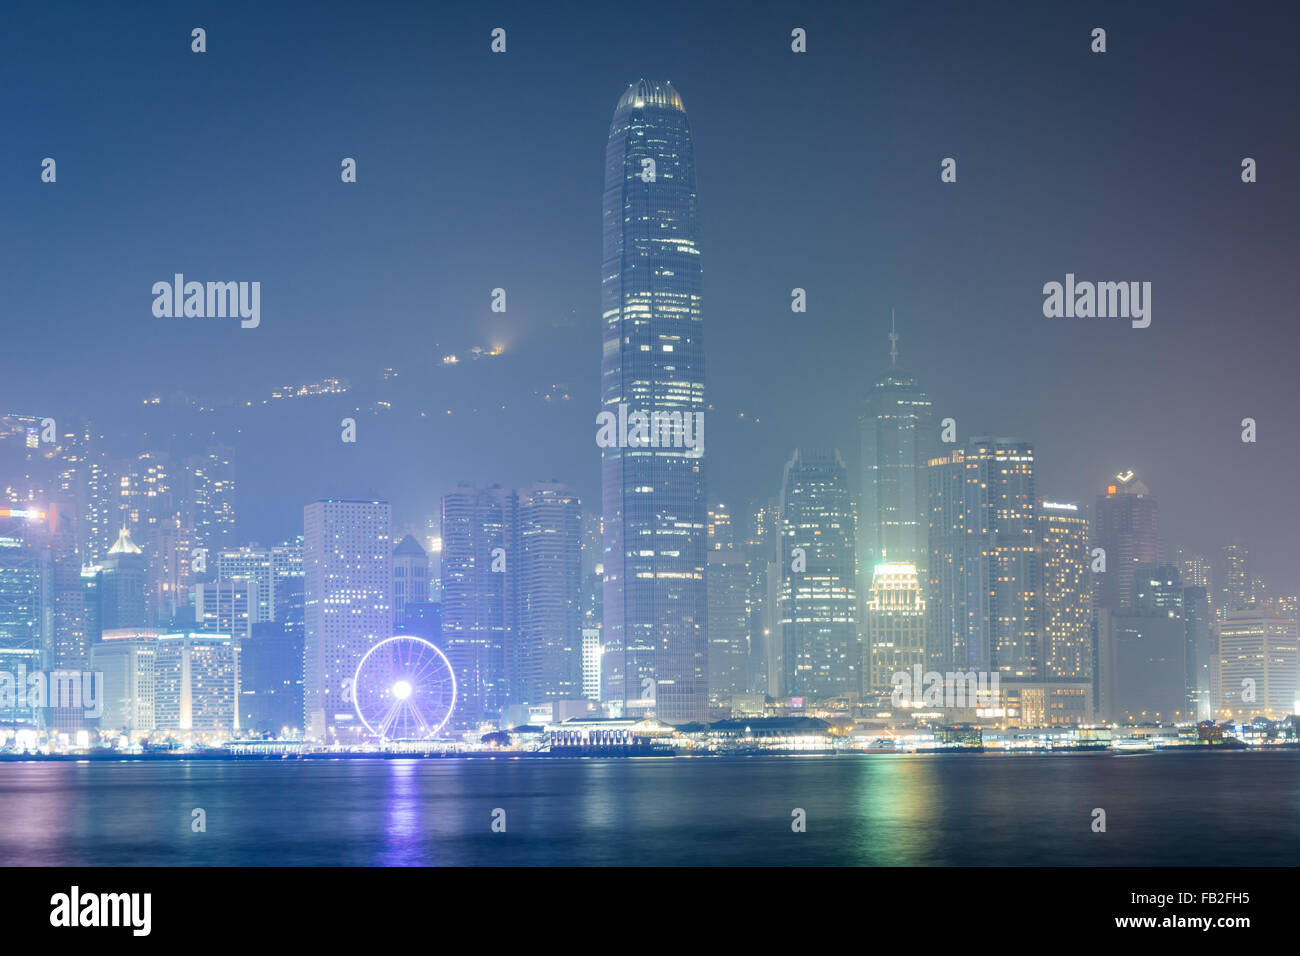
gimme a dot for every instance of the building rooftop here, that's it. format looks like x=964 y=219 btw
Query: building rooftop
x=644 y=93
x=124 y=544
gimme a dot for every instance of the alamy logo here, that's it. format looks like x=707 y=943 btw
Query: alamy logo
x=950 y=689
x=64 y=689
x=1102 y=300
x=211 y=300
x=103 y=909
x=656 y=429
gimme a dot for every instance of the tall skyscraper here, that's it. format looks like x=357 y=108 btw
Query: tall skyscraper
x=1126 y=525
x=478 y=552
x=982 y=600
x=653 y=498
x=821 y=650
x=348 y=584
x=896 y=439
x=546 y=647
x=1067 y=591
x=728 y=607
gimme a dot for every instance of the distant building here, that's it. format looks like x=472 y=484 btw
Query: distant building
x=985 y=574
x=1198 y=622
x=1158 y=590
x=24 y=603
x=545 y=649
x=728 y=578
x=196 y=684
x=1126 y=526
x=821 y=649
x=347 y=566
x=1067 y=591
x=126 y=659
x=122 y=586
x=224 y=606
x=478 y=607
x=592 y=648
x=264 y=570
x=896 y=440
x=895 y=625
x=1256 y=670
x=652 y=363
x=270 y=687
x=1142 y=667
x=410 y=577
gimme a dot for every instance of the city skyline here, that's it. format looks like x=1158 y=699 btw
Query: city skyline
x=796 y=377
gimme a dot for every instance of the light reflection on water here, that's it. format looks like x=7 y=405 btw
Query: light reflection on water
x=963 y=809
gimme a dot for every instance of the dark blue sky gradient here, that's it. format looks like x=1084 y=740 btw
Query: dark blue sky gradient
x=819 y=171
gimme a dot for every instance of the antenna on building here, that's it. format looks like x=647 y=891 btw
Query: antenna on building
x=893 y=341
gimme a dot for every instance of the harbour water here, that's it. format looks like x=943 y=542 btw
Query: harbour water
x=1192 y=807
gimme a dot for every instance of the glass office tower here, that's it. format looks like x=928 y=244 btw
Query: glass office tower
x=655 y=605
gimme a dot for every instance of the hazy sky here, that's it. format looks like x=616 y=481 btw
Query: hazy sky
x=817 y=170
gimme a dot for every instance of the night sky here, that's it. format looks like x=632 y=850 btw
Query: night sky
x=820 y=170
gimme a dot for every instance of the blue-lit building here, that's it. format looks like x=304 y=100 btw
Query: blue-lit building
x=24 y=610
x=653 y=497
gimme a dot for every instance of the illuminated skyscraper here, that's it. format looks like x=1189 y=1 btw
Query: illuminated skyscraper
x=821 y=651
x=895 y=625
x=348 y=583
x=24 y=599
x=1256 y=667
x=896 y=439
x=196 y=684
x=653 y=498
x=1125 y=525
x=1067 y=591
x=982 y=600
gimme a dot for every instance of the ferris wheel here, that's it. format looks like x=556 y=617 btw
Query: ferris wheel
x=404 y=689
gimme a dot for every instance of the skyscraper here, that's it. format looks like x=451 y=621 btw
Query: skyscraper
x=1067 y=591
x=1256 y=666
x=546 y=657
x=1126 y=526
x=821 y=650
x=123 y=578
x=653 y=498
x=728 y=607
x=347 y=567
x=895 y=431
x=984 y=573
x=24 y=598
x=478 y=552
